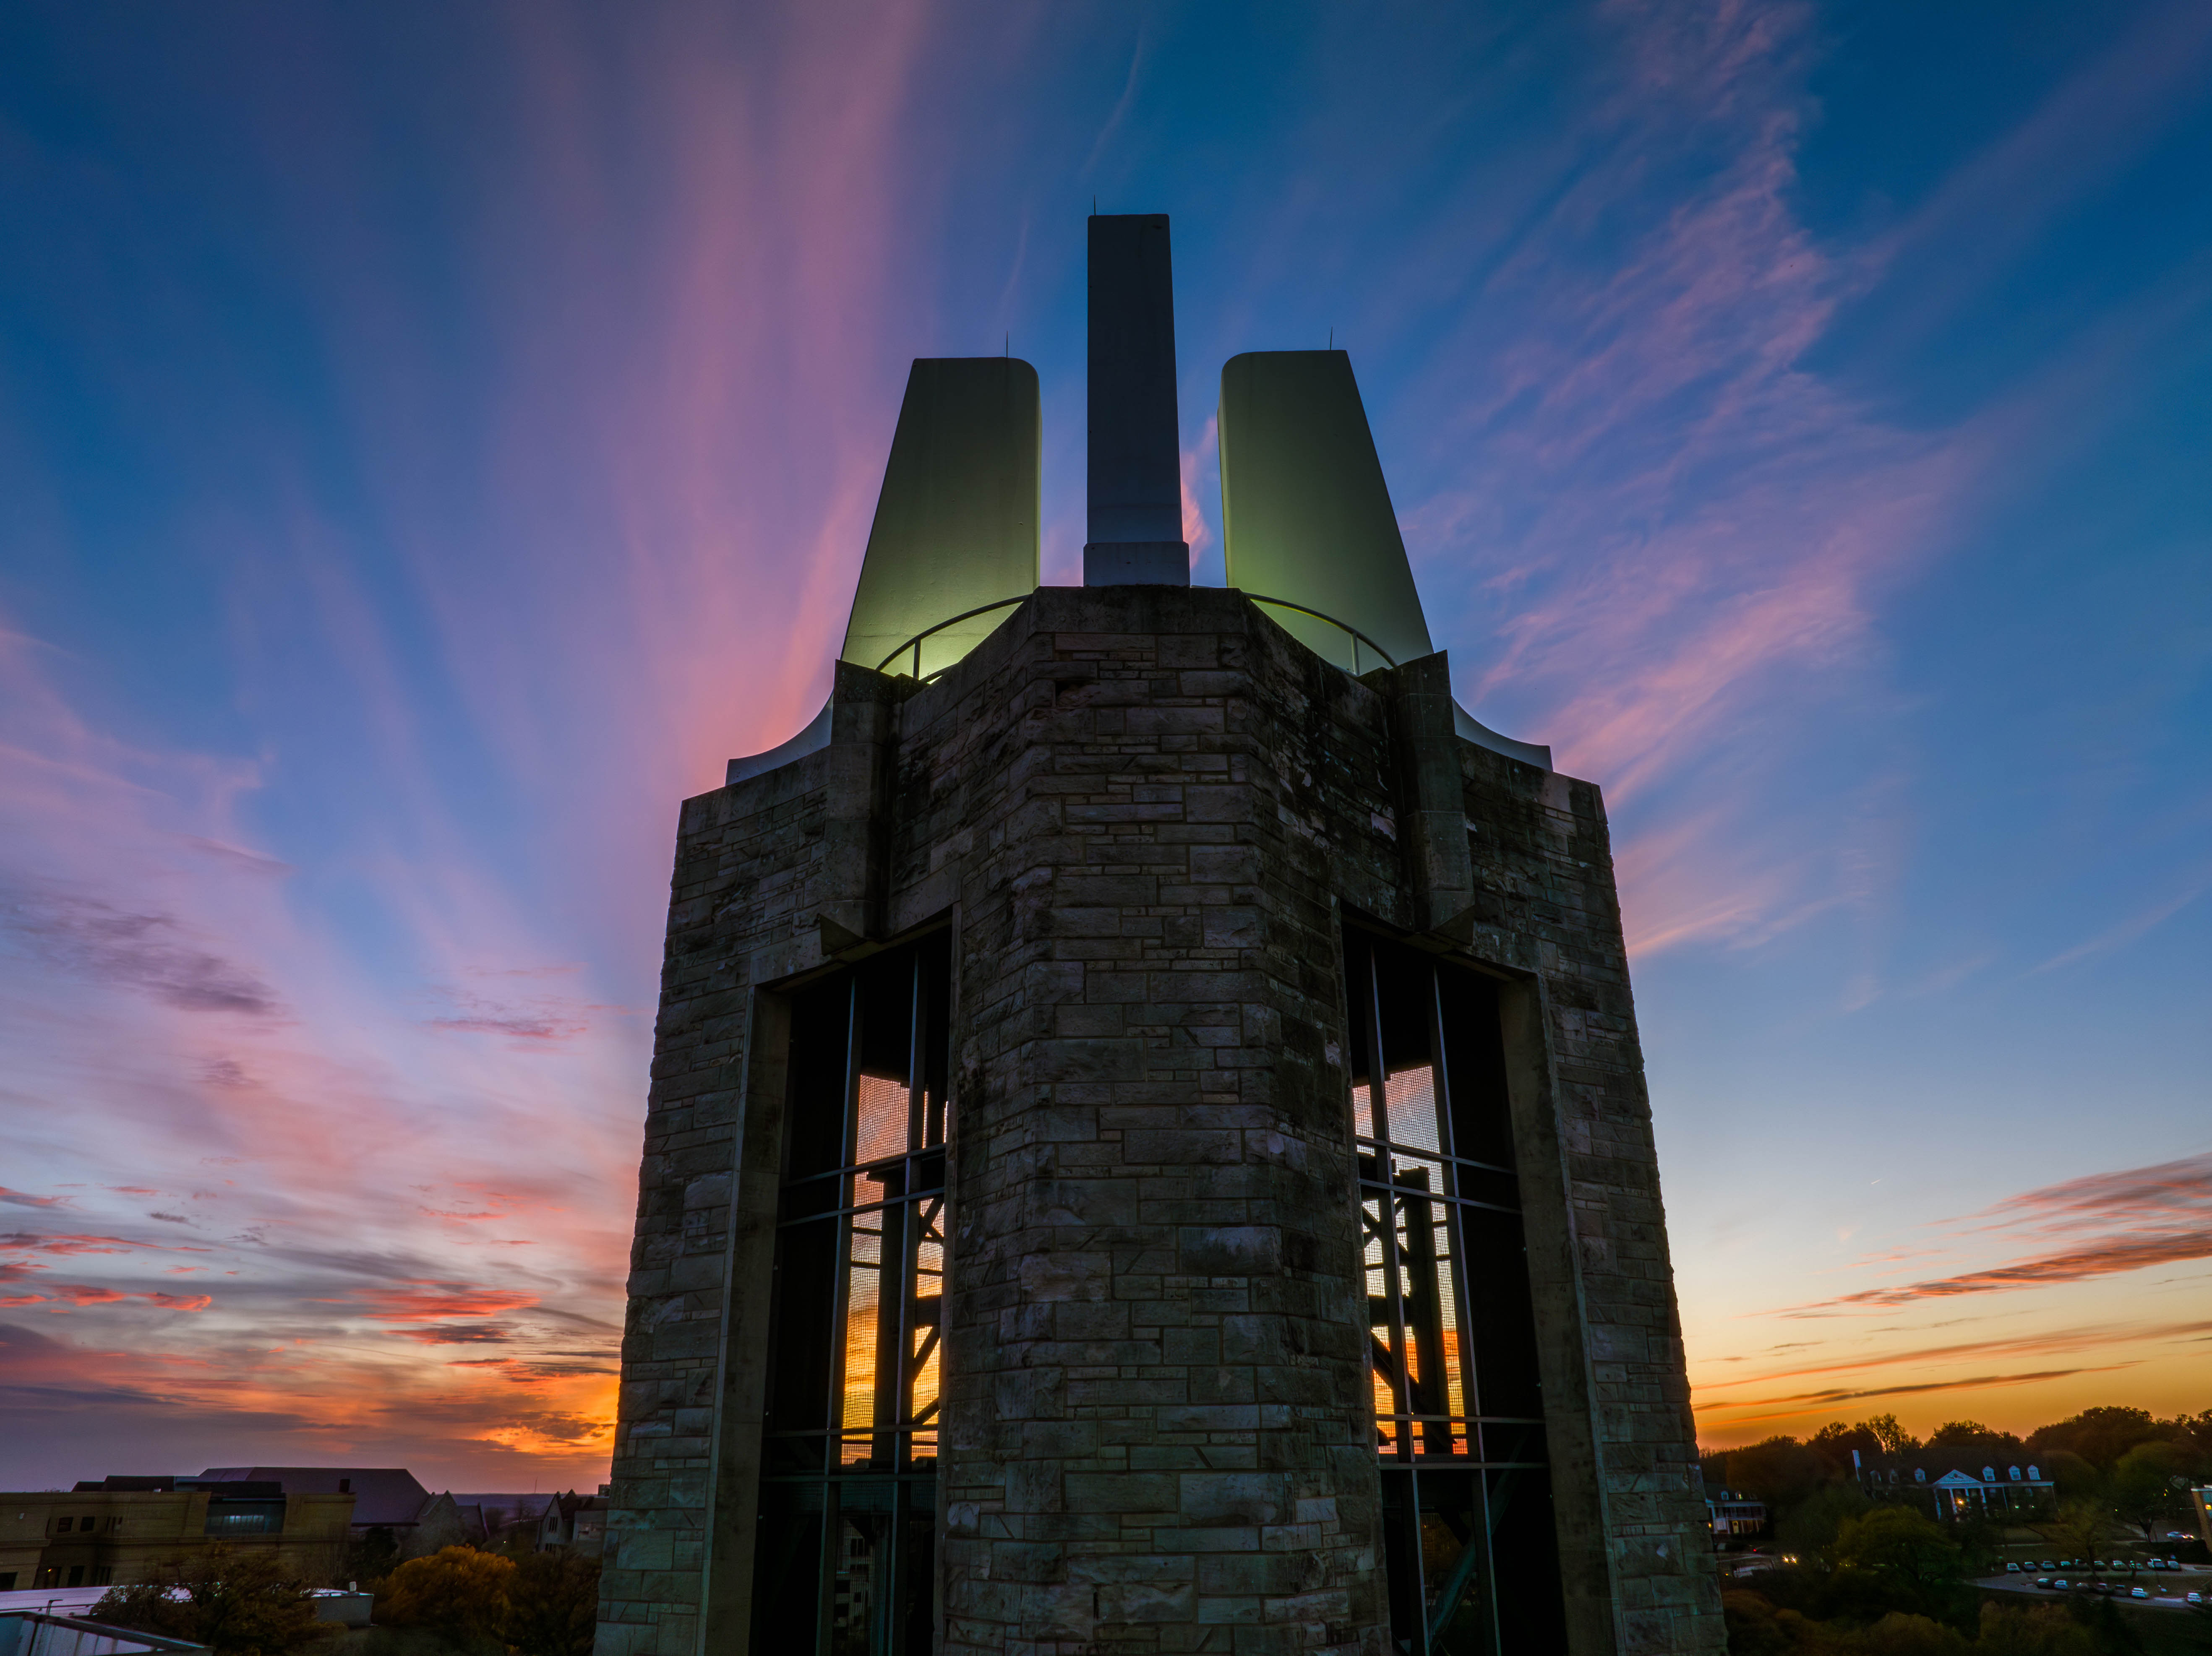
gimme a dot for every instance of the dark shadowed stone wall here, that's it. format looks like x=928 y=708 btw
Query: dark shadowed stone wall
x=1145 y=812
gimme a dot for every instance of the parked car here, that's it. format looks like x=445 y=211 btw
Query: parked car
x=2048 y=1565
x=2196 y=1598
x=2059 y=1585
x=2138 y=1594
x=2043 y=1581
x=2012 y=1569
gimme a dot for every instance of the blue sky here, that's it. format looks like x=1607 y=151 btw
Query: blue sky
x=433 y=439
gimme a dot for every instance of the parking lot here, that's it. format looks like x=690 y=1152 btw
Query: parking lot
x=2178 y=1588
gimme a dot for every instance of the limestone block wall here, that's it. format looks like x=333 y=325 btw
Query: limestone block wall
x=1156 y=1432
x=1145 y=812
x=1544 y=904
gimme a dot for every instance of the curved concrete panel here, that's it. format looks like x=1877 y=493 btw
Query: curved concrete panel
x=956 y=525
x=1305 y=513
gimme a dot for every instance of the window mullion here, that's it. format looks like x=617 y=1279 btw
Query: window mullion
x=1455 y=1229
x=841 y=1320
x=1393 y=1280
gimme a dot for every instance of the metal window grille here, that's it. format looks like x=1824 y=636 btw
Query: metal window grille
x=849 y=1486
x=1469 y=1532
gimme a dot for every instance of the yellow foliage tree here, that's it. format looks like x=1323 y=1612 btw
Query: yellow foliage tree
x=457 y=1591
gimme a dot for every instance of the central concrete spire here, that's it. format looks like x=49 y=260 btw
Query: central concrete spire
x=1135 y=517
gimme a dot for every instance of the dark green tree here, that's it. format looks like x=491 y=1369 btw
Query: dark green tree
x=1893 y=1438
x=2081 y=1531
x=1781 y=1471
x=553 y=1604
x=1972 y=1435
x=1808 y=1529
x=1893 y=1558
x=2100 y=1436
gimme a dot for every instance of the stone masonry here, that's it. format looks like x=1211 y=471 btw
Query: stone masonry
x=1145 y=814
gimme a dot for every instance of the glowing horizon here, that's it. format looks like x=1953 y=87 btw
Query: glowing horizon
x=434 y=445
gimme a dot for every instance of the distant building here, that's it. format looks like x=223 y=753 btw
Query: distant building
x=503 y=1521
x=1962 y=1482
x=386 y=1498
x=1734 y=1514
x=123 y=1530
x=576 y=1522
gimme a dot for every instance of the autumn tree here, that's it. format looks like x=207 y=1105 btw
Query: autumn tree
x=2034 y=1630
x=456 y=1590
x=1901 y=1634
x=236 y=1602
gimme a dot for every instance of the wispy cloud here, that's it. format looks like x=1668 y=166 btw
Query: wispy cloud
x=1921 y=1358
x=2127 y=930
x=18 y=1199
x=152 y=952
x=1818 y=1402
x=2153 y=1216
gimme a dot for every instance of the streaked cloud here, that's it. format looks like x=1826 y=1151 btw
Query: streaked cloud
x=533 y=484
x=2166 y=1210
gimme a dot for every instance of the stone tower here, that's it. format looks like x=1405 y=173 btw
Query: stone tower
x=1147 y=1149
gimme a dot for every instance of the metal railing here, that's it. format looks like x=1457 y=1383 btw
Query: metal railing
x=915 y=643
x=1356 y=637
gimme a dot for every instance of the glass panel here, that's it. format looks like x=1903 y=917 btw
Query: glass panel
x=1502 y=1317
x=881 y=1111
x=1402 y=1558
x=1474 y=1060
x=814 y=1131
x=1412 y=1097
x=800 y=1356
x=787 y=1567
x=1524 y=1546
x=1455 y=1567
x=861 y=1582
x=863 y=1320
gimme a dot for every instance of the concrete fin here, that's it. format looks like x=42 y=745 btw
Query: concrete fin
x=1305 y=514
x=956 y=525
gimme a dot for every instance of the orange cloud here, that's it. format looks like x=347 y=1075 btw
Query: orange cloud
x=1820 y=1402
x=417 y=1301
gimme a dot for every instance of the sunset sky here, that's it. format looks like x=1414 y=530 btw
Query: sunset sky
x=434 y=439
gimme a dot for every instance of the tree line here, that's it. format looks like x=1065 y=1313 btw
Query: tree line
x=461 y=1601
x=1873 y=1574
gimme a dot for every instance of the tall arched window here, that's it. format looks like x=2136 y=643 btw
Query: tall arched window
x=1467 y=1522
x=847 y=1516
